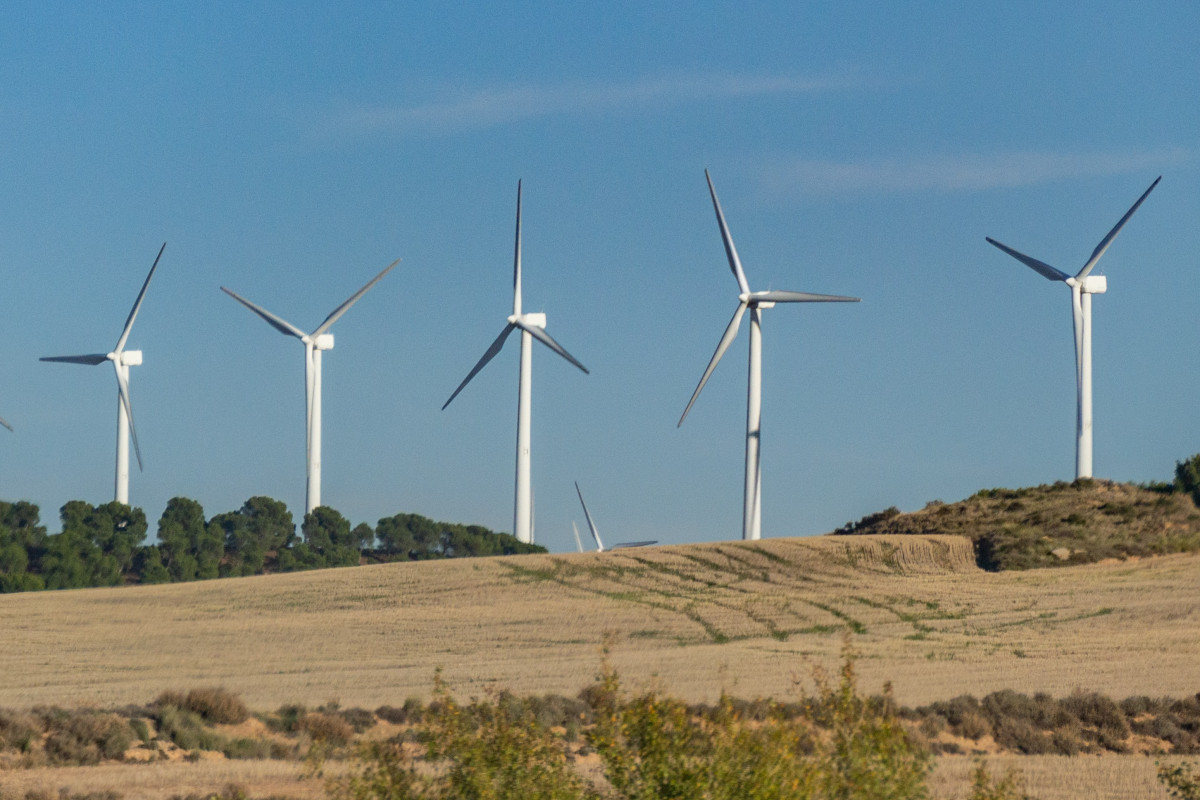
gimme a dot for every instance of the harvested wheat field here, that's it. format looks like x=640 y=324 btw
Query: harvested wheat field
x=751 y=618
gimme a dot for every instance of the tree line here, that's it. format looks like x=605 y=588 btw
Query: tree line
x=104 y=545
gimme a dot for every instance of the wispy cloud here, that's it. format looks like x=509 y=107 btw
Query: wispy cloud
x=458 y=110
x=958 y=173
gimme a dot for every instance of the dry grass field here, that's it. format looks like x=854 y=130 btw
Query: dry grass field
x=753 y=619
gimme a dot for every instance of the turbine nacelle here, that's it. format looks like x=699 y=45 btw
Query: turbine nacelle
x=323 y=342
x=528 y=320
x=1094 y=284
x=127 y=358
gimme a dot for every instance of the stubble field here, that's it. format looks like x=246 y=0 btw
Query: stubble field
x=751 y=619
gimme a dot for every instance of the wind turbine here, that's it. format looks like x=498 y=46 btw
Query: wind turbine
x=122 y=360
x=532 y=326
x=1083 y=285
x=755 y=302
x=591 y=525
x=314 y=344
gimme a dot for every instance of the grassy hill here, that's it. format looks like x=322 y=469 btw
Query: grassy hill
x=1052 y=525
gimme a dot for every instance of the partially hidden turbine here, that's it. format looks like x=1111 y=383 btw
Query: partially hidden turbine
x=532 y=326
x=755 y=302
x=1083 y=285
x=595 y=533
x=314 y=344
x=122 y=360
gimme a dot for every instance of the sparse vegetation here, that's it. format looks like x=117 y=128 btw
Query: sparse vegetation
x=1059 y=524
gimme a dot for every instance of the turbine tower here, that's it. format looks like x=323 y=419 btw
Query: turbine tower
x=122 y=360
x=314 y=344
x=755 y=302
x=532 y=326
x=1083 y=285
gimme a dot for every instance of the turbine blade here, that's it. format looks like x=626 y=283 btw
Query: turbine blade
x=545 y=338
x=588 y=515
x=90 y=360
x=624 y=545
x=735 y=264
x=1107 y=240
x=517 y=259
x=10 y=427
x=488 y=356
x=1040 y=267
x=780 y=296
x=123 y=387
x=137 y=304
x=726 y=339
x=344 y=307
x=574 y=527
x=278 y=323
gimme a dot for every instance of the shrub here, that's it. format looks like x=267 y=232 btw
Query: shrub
x=85 y=737
x=18 y=731
x=411 y=711
x=1099 y=711
x=1019 y=735
x=328 y=728
x=286 y=718
x=984 y=787
x=217 y=706
x=248 y=748
x=358 y=718
x=187 y=730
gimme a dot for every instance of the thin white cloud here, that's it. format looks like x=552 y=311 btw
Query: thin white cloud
x=957 y=173
x=487 y=108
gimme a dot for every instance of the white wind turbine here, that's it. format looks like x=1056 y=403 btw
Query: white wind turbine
x=591 y=525
x=595 y=533
x=532 y=326
x=755 y=302
x=122 y=360
x=314 y=344
x=1083 y=285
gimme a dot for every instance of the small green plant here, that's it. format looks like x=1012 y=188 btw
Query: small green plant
x=985 y=787
x=1182 y=781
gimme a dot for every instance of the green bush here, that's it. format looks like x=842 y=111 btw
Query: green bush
x=85 y=737
x=1181 y=780
x=984 y=787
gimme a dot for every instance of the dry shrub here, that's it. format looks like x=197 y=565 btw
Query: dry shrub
x=85 y=737
x=216 y=705
x=18 y=731
x=171 y=699
x=358 y=718
x=1018 y=735
x=1100 y=712
x=328 y=728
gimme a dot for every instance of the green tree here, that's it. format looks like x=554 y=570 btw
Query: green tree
x=1187 y=477
x=22 y=545
x=148 y=566
x=328 y=540
x=96 y=546
x=190 y=548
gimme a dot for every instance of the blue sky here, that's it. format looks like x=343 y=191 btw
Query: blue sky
x=291 y=151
